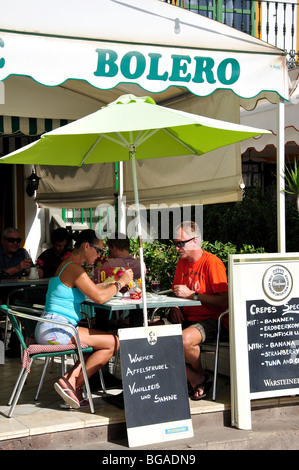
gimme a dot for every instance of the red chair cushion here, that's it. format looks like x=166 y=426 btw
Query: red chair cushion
x=45 y=348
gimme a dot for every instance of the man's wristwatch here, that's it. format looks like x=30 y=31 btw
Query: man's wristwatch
x=195 y=296
x=118 y=285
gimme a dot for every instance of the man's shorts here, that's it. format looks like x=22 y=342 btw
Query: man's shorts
x=208 y=329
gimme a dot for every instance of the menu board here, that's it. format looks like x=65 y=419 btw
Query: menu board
x=154 y=384
x=264 y=330
x=273 y=345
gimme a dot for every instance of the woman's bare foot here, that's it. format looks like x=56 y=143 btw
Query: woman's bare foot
x=195 y=380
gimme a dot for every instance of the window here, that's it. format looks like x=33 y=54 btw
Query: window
x=236 y=13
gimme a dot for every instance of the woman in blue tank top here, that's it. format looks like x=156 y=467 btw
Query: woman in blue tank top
x=66 y=292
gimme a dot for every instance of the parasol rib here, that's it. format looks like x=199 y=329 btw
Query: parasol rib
x=90 y=150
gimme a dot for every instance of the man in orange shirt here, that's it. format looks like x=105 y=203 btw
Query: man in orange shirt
x=200 y=276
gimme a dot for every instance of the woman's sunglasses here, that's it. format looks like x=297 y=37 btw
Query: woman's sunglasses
x=13 y=240
x=183 y=242
x=98 y=250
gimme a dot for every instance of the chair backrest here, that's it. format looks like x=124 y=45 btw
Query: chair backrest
x=15 y=324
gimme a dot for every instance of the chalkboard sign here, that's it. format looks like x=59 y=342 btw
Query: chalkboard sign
x=154 y=384
x=273 y=345
x=264 y=330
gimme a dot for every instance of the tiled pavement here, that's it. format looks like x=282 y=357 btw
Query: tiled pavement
x=46 y=415
x=45 y=425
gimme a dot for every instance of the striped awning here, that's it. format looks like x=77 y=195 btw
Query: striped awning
x=16 y=132
x=28 y=126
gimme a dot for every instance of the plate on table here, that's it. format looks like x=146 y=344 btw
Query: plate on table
x=115 y=300
x=158 y=297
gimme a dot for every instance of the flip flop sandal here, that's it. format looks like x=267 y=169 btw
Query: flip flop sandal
x=67 y=398
x=205 y=387
x=190 y=388
x=84 y=403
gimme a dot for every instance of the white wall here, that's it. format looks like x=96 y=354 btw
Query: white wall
x=34 y=222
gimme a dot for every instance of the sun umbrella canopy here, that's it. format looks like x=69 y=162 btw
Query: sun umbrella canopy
x=131 y=124
x=128 y=129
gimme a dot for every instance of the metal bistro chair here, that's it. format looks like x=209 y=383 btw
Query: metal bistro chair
x=28 y=296
x=214 y=347
x=35 y=351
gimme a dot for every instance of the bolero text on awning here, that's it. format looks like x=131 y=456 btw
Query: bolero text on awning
x=52 y=60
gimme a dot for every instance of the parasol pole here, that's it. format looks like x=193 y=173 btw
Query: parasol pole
x=121 y=205
x=281 y=229
x=142 y=265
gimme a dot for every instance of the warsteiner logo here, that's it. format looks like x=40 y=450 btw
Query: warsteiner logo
x=277 y=282
x=152 y=338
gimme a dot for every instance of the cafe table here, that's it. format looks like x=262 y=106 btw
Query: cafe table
x=23 y=282
x=123 y=304
x=11 y=286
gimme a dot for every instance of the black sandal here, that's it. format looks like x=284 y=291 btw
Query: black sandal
x=205 y=387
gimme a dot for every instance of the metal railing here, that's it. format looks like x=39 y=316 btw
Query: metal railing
x=92 y=218
x=271 y=21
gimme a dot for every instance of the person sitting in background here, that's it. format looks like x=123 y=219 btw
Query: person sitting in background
x=119 y=251
x=13 y=259
x=50 y=259
x=66 y=291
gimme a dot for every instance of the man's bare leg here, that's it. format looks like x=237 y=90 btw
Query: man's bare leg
x=195 y=374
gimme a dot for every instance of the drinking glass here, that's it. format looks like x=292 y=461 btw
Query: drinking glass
x=156 y=285
x=135 y=290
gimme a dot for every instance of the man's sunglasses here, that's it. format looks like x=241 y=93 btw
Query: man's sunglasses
x=183 y=242
x=13 y=240
x=98 y=250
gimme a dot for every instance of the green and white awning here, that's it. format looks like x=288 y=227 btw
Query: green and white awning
x=28 y=126
x=15 y=131
x=68 y=59
x=150 y=44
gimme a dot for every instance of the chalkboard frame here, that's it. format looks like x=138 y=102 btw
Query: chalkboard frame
x=154 y=384
x=251 y=282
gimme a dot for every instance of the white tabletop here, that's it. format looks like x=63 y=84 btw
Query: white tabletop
x=152 y=300
x=23 y=282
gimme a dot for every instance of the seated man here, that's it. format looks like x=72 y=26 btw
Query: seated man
x=200 y=276
x=13 y=259
x=50 y=259
x=119 y=251
x=13 y=262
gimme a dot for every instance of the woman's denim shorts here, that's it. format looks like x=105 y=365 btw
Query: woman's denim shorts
x=49 y=333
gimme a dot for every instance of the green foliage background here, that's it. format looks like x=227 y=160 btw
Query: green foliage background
x=161 y=258
x=252 y=221
x=245 y=227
